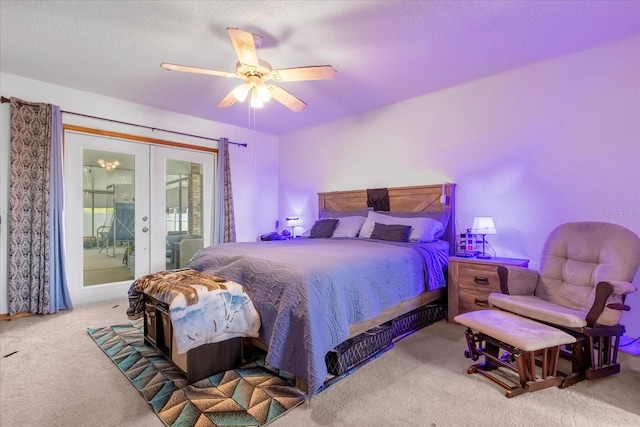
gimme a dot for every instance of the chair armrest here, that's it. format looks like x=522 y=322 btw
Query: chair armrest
x=608 y=298
x=517 y=280
x=622 y=288
x=602 y=292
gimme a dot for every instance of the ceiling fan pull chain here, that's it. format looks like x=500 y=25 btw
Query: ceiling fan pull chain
x=253 y=110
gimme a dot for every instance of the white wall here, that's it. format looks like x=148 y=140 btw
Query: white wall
x=534 y=147
x=254 y=169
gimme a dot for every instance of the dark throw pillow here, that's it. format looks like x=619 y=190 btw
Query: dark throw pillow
x=323 y=228
x=392 y=233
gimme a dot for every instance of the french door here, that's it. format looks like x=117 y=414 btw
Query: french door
x=131 y=208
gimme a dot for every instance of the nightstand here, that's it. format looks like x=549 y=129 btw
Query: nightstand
x=471 y=280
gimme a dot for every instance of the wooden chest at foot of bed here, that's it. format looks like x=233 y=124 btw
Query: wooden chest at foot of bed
x=198 y=363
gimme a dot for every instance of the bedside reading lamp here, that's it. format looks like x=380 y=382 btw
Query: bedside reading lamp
x=293 y=221
x=483 y=225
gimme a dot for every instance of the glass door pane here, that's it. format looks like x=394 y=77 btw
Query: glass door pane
x=185 y=177
x=183 y=221
x=108 y=215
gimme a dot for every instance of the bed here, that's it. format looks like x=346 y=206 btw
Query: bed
x=314 y=293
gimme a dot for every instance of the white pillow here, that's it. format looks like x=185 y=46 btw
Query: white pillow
x=349 y=226
x=422 y=229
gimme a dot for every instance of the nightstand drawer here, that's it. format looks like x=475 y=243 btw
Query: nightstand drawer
x=471 y=280
x=478 y=277
x=472 y=300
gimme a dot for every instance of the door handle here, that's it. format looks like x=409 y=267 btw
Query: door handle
x=145 y=229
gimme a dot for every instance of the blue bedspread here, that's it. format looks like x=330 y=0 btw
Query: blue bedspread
x=308 y=291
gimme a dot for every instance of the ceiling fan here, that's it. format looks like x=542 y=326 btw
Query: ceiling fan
x=256 y=72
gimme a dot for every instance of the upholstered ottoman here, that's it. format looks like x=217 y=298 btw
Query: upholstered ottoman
x=524 y=344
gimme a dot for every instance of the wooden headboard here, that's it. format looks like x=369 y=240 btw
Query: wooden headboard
x=401 y=199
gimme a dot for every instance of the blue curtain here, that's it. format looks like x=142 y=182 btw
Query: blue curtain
x=58 y=290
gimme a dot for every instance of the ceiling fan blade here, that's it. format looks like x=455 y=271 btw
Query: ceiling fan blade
x=188 y=69
x=286 y=99
x=227 y=101
x=315 y=72
x=245 y=46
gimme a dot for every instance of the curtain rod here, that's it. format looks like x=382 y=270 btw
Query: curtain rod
x=240 y=144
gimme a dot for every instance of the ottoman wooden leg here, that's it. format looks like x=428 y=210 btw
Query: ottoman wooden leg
x=549 y=363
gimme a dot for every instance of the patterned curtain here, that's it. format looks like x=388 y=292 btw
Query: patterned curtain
x=225 y=217
x=30 y=167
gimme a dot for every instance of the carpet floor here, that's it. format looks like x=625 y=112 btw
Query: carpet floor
x=53 y=374
x=252 y=395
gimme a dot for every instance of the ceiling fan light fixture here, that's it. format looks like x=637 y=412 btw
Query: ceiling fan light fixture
x=263 y=92
x=255 y=72
x=108 y=165
x=242 y=91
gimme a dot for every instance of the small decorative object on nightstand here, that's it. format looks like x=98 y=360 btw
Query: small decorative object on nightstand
x=471 y=280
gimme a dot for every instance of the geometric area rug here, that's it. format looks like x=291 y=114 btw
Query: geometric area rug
x=252 y=395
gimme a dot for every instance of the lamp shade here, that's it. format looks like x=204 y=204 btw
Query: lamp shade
x=483 y=225
x=293 y=221
x=242 y=91
x=263 y=92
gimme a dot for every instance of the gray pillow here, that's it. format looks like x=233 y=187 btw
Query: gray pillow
x=323 y=228
x=392 y=233
x=349 y=226
x=442 y=216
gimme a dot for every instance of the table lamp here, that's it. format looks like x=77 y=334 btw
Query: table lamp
x=293 y=221
x=483 y=225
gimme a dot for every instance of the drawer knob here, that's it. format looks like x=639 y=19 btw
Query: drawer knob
x=482 y=302
x=481 y=280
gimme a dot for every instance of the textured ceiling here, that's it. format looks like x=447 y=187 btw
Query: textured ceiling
x=384 y=51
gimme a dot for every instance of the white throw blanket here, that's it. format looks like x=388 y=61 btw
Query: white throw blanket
x=203 y=309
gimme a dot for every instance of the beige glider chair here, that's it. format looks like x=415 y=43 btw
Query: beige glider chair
x=586 y=270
